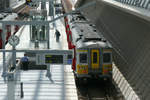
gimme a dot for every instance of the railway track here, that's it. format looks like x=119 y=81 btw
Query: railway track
x=22 y=11
x=18 y=9
x=96 y=90
x=109 y=90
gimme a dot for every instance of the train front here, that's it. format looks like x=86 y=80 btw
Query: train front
x=93 y=52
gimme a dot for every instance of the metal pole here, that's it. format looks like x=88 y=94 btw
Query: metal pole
x=3 y=36
x=53 y=13
x=3 y=47
x=22 y=93
x=30 y=28
x=50 y=8
x=11 y=89
x=48 y=36
x=14 y=57
x=43 y=5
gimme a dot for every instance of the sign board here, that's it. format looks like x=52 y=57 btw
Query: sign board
x=53 y=59
x=56 y=58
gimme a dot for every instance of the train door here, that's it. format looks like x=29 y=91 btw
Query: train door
x=95 y=59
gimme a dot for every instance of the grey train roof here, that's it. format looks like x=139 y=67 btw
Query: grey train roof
x=85 y=34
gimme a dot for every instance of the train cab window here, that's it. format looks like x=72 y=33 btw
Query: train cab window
x=94 y=57
x=83 y=58
x=107 y=57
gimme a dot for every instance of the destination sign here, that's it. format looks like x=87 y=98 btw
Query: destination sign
x=54 y=59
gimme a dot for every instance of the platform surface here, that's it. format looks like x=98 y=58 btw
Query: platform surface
x=15 y=4
x=36 y=86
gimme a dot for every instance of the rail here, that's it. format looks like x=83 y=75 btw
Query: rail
x=96 y=90
x=109 y=91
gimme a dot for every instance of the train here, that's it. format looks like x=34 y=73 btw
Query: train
x=8 y=5
x=10 y=29
x=92 y=52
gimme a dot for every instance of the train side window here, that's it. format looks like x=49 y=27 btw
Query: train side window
x=94 y=57
x=106 y=57
x=83 y=58
x=70 y=38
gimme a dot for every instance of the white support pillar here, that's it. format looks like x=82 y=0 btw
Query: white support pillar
x=51 y=8
x=48 y=35
x=54 y=2
x=3 y=47
x=43 y=5
x=10 y=87
x=14 y=57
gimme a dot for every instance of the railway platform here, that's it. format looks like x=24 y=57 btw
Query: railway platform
x=60 y=85
x=17 y=4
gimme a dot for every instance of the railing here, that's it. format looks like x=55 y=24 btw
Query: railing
x=123 y=85
x=138 y=3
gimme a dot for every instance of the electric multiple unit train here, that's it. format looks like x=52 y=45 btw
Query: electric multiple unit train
x=92 y=52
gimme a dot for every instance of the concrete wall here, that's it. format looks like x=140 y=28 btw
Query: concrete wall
x=130 y=38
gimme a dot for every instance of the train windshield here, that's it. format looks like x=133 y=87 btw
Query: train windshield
x=94 y=57
x=107 y=57
x=83 y=58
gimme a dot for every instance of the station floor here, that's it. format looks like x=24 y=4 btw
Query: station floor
x=36 y=86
